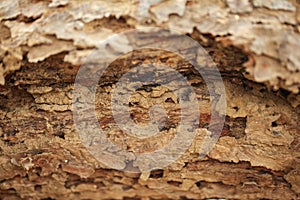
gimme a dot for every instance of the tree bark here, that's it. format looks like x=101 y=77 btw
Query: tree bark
x=254 y=44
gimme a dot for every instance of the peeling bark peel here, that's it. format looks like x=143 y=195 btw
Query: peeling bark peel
x=266 y=30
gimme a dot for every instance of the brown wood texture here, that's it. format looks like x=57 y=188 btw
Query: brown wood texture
x=254 y=44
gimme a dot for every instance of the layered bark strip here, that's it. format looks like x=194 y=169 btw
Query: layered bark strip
x=255 y=46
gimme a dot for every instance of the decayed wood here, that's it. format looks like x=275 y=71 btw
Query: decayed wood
x=42 y=46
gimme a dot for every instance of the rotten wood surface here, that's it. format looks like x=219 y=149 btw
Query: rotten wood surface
x=254 y=45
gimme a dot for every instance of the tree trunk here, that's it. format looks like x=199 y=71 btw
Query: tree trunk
x=51 y=51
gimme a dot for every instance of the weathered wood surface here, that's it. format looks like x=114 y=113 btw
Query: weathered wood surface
x=255 y=45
